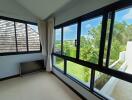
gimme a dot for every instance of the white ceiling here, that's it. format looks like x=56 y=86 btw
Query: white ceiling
x=43 y=8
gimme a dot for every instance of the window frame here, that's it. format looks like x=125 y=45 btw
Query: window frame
x=26 y=32
x=97 y=67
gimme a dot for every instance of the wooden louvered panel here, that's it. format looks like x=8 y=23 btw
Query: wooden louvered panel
x=7 y=36
x=33 y=38
x=21 y=36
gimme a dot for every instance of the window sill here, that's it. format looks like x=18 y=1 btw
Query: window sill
x=18 y=53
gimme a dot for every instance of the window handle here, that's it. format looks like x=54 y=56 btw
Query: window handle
x=75 y=42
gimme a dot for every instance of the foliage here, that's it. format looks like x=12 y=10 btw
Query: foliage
x=89 y=49
x=69 y=48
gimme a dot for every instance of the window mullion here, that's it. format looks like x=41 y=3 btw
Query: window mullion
x=27 y=37
x=61 y=40
x=65 y=66
x=15 y=36
x=78 y=39
x=102 y=39
x=110 y=37
x=92 y=79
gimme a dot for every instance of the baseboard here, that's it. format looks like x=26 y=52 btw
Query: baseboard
x=9 y=77
x=75 y=91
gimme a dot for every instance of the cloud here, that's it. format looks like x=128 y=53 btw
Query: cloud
x=67 y=29
x=128 y=15
x=58 y=32
x=87 y=26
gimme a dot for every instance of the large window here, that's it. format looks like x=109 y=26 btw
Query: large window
x=90 y=39
x=121 y=46
x=112 y=87
x=69 y=40
x=33 y=38
x=7 y=36
x=21 y=36
x=18 y=37
x=59 y=63
x=79 y=72
x=103 y=36
x=57 y=46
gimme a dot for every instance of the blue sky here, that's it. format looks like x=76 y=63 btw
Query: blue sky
x=124 y=15
x=70 y=31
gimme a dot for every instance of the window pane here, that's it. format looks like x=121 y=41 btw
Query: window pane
x=59 y=63
x=112 y=88
x=90 y=39
x=121 y=47
x=79 y=72
x=7 y=36
x=33 y=38
x=57 y=46
x=21 y=36
x=69 y=43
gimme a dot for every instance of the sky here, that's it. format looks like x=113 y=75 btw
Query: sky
x=70 y=32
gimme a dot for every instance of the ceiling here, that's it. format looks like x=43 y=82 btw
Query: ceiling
x=43 y=8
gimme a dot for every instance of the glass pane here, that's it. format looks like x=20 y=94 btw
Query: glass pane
x=121 y=47
x=7 y=36
x=79 y=72
x=112 y=88
x=57 y=46
x=90 y=39
x=21 y=36
x=33 y=38
x=59 y=63
x=69 y=43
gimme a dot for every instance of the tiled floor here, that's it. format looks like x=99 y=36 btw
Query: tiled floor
x=37 y=86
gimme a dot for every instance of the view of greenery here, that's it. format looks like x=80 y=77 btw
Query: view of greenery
x=89 y=49
x=59 y=63
x=69 y=46
x=57 y=46
x=80 y=72
x=90 y=42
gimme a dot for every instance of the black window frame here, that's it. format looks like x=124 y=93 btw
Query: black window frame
x=26 y=32
x=96 y=67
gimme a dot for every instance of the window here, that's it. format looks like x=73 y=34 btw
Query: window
x=103 y=36
x=33 y=38
x=79 y=72
x=57 y=46
x=121 y=46
x=90 y=39
x=59 y=63
x=7 y=36
x=21 y=36
x=112 y=87
x=69 y=40
x=18 y=37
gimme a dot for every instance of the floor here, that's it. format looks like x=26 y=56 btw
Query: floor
x=36 y=86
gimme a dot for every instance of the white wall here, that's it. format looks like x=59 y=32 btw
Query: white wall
x=10 y=8
x=79 y=8
x=9 y=65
